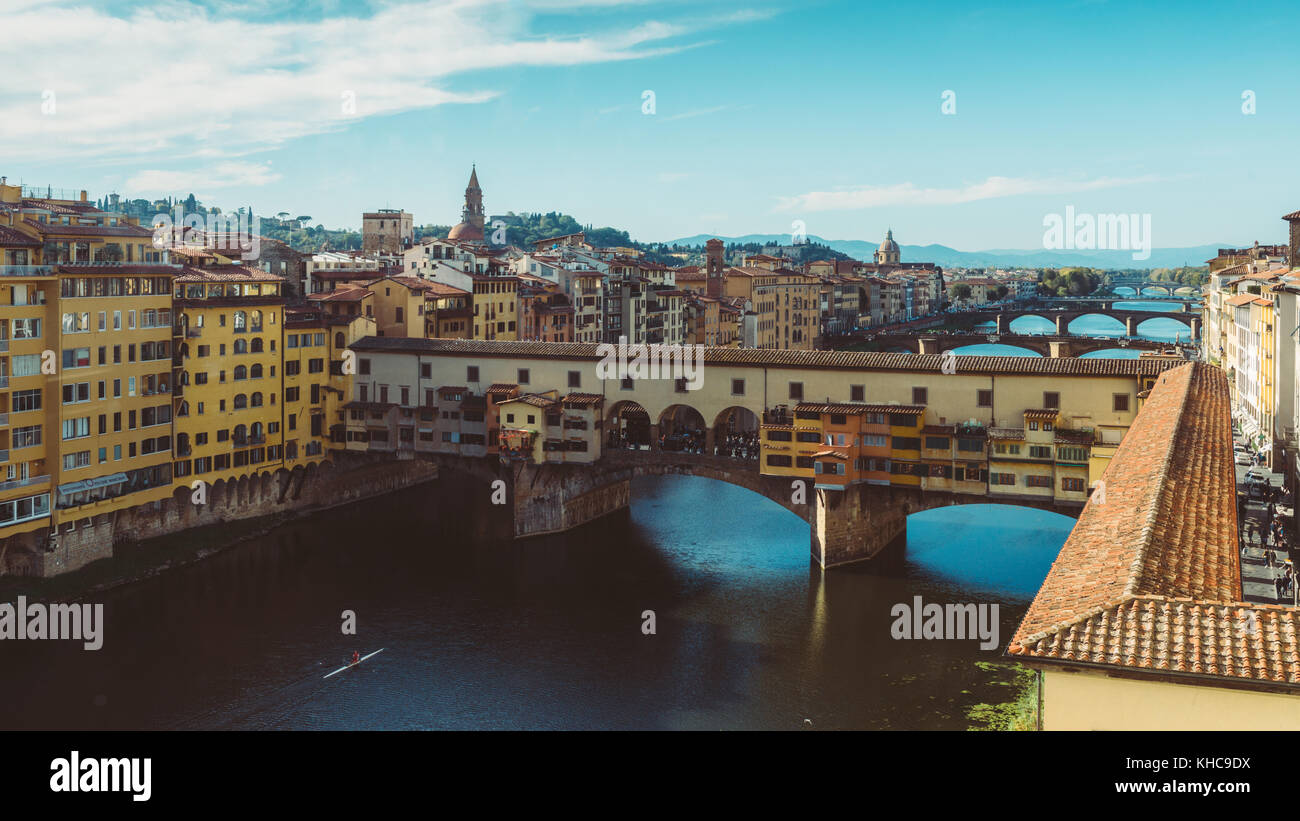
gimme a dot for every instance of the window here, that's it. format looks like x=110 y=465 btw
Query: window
x=315 y=366
x=778 y=461
x=27 y=437
x=76 y=428
x=1076 y=485
x=920 y=396
x=575 y=379
x=76 y=392
x=26 y=329
x=906 y=443
x=1040 y=452
x=796 y=390
x=1119 y=402
x=1002 y=478
x=857 y=393
x=27 y=400
x=936 y=443
x=523 y=375
x=1051 y=399
x=27 y=364
x=1072 y=454
x=76 y=358
x=1038 y=481
x=984 y=399
x=80 y=459
x=471 y=373
x=875 y=440
x=363 y=365
x=1033 y=425
x=292 y=368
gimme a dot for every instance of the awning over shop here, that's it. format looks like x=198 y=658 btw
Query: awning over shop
x=91 y=484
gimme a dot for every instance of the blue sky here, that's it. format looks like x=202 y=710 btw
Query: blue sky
x=765 y=113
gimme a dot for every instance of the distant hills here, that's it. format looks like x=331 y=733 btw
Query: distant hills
x=995 y=258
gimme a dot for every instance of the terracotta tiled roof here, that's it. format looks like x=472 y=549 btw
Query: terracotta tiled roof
x=12 y=236
x=342 y=294
x=1239 y=299
x=502 y=387
x=585 y=399
x=1149 y=578
x=227 y=273
x=534 y=399
x=1042 y=413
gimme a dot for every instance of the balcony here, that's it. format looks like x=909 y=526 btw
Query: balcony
x=26 y=271
x=17 y=483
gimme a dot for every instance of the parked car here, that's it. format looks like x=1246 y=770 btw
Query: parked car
x=1243 y=458
x=1255 y=476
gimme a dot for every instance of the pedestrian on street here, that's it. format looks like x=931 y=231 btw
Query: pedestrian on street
x=1277 y=587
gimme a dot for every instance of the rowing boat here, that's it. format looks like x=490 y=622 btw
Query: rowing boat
x=354 y=663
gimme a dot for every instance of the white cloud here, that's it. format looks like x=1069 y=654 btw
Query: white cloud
x=871 y=196
x=177 y=81
x=219 y=175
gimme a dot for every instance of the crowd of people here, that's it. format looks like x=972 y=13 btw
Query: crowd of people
x=683 y=439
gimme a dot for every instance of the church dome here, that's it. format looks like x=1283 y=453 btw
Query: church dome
x=889 y=246
x=465 y=231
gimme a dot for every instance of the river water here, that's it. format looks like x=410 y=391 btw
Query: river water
x=548 y=633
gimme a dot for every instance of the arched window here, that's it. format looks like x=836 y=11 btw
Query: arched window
x=256 y=430
x=241 y=401
x=256 y=345
x=255 y=322
x=240 y=372
x=241 y=434
x=183 y=409
x=255 y=372
x=338 y=340
x=241 y=322
x=182 y=443
x=241 y=346
x=255 y=400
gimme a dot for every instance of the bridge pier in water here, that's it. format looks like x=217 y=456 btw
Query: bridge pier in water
x=846 y=525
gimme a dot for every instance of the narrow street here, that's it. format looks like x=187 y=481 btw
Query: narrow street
x=1257 y=577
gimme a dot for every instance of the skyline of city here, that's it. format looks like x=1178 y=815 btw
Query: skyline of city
x=307 y=117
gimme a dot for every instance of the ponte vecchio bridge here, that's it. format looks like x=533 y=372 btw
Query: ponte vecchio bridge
x=449 y=400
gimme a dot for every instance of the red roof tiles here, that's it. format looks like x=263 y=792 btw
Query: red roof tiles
x=1149 y=578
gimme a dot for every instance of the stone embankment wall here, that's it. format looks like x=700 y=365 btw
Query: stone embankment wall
x=282 y=493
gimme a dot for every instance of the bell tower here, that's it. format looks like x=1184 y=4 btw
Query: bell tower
x=714 y=268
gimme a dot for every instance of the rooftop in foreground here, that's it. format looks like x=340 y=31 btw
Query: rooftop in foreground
x=1149 y=580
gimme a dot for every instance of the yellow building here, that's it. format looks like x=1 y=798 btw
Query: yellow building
x=115 y=379
x=787 y=304
x=399 y=305
x=496 y=310
x=229 y=330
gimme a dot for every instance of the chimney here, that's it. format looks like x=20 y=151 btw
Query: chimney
x=83 y=196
